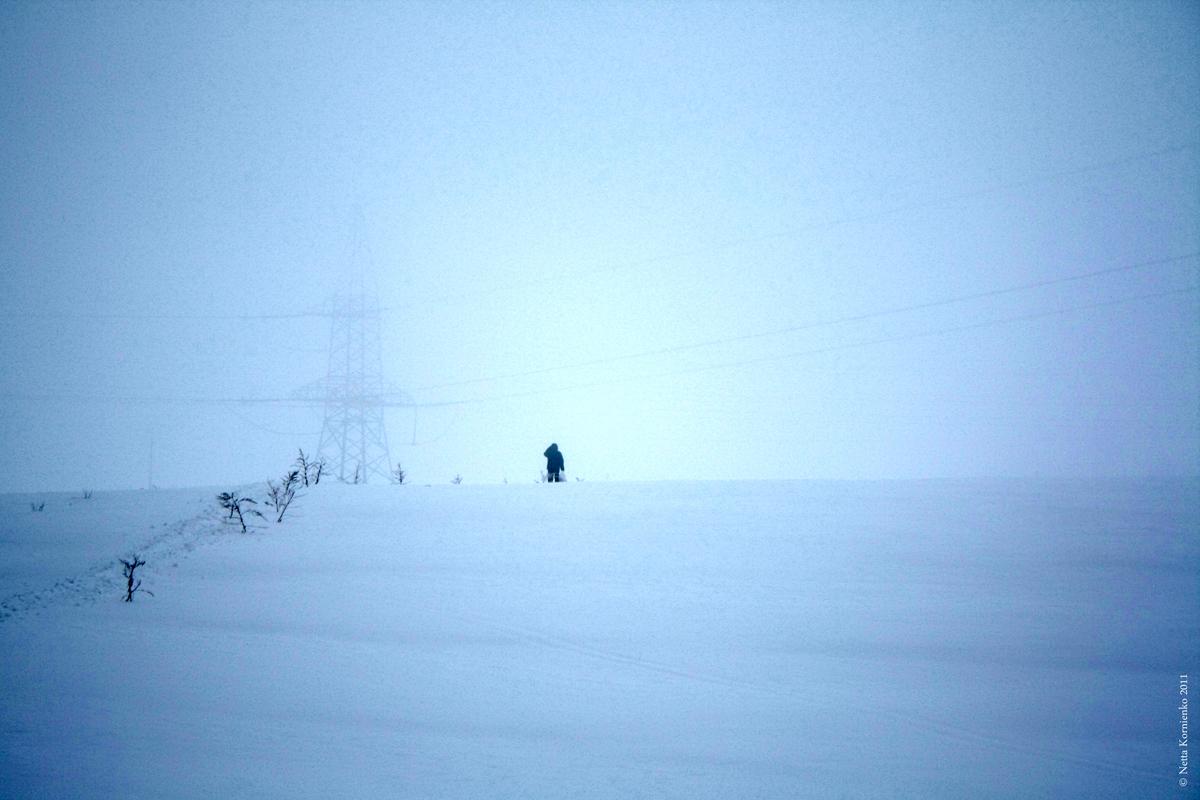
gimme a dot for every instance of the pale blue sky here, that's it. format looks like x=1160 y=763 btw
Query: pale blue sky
x=547 y=184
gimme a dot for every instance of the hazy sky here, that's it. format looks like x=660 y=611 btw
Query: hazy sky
x=532 y=187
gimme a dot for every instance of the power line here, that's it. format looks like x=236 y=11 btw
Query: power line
x=266 y=429
x=624 y=265
x=808 y=228
x=387 y=401
x=324 y=311
x=165 y=317
x=820 y=323
x=831 y=348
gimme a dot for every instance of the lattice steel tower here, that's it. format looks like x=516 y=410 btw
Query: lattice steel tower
x=354 y=442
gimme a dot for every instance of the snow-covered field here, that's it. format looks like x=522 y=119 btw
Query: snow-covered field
x=973 y=639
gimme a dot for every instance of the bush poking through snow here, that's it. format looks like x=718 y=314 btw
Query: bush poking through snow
x=310 y=469
x=38 y=506
x=303 y=465
x=130 y=567
x=398 y=475
x=233 y=502
x=281 y=496
x=456 y=480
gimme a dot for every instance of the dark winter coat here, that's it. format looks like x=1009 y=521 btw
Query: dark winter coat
x=554 y=459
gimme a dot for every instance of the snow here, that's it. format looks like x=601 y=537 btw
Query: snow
x=937 y=639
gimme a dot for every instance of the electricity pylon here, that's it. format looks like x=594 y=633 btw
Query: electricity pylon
x=354 y=442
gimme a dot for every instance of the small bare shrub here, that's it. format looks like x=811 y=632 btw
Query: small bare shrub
x=281 y=496
x=303 y=465
x=234 y=502
x=130 y=567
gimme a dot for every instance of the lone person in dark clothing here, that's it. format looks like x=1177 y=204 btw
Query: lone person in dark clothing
x=554 y=464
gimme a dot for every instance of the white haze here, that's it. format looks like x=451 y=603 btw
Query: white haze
x=528 y=187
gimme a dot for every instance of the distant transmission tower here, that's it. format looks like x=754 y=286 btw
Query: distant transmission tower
x=354 y=442
x=353 y=436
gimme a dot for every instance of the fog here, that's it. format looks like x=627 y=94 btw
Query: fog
x=712 y=241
